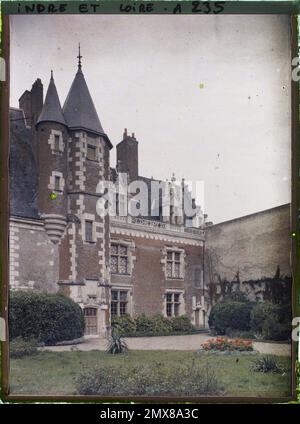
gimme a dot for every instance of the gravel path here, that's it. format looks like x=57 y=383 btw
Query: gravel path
x=190 y=342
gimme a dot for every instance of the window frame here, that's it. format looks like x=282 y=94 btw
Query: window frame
x=172 y=307
x=57 y=183
x=119 y=256
x=90 y=147
x=91 y=240
x=56 y=143
x=174 y=262
x=118 y=304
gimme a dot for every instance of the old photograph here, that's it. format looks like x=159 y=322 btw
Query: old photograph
x=150 y=204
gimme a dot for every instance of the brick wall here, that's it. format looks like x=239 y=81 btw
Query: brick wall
x=148 y=282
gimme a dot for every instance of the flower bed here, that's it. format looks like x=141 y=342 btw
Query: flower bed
x=221 y=344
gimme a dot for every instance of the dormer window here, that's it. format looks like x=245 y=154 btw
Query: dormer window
x=91 y=152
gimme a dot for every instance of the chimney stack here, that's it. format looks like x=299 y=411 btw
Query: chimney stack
x=127 y=156
x=31 y=102
x=36 y=100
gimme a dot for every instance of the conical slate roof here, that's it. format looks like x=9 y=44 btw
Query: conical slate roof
x=52 y=109
x=79 y=110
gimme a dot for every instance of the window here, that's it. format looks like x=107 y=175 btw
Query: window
x=119 y=301
x=89 y=231
x=174 y=264
x=119 y=259
x=91 y=152
x=56 y=142
x=57 y=183
x=172 y=304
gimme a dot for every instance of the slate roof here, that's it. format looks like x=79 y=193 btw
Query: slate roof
x=79 y=110
x=79 y=113
x=17 y=119
x=23 y=178
x=52 y=111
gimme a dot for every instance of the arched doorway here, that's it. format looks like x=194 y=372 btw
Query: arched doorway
x=90 y=318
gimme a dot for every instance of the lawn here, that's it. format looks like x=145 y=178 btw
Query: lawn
x=55 y=373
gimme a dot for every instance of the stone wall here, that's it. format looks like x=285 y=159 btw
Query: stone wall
x=33 y=257
x=253 y=246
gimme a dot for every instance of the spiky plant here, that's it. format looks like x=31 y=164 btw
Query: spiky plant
x=116 y=344
x=267 y=364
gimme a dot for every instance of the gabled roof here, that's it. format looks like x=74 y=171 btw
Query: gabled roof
x=79 y=110
x=52 y=111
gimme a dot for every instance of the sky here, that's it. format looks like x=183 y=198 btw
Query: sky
x=208 y=97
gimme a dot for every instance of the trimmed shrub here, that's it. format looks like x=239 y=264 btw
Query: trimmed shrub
x=181 y=323
x=19 y=347
x=144 y=325
x=48 y=318
x=230 y=314
x=150 y=380
x=161 y=325
x=156 y=325
x=272 y=322
x=125 y=325
x=260 y=313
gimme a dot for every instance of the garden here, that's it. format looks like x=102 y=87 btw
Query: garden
x=179 y=373
x=221 y=366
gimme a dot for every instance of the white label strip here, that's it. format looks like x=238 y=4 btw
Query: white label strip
x=2 y=330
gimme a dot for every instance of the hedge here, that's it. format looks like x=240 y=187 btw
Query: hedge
x=260 y=319
x=230 y=314
x=48 y=318
x=272 y=322
x=156 y=325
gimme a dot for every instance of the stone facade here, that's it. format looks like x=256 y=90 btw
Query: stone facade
x=34 y=259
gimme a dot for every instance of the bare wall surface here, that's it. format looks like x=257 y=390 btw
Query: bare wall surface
x=253 y=245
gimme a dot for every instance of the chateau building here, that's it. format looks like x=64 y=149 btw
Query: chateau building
x=60 y=241
x=116 y=264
